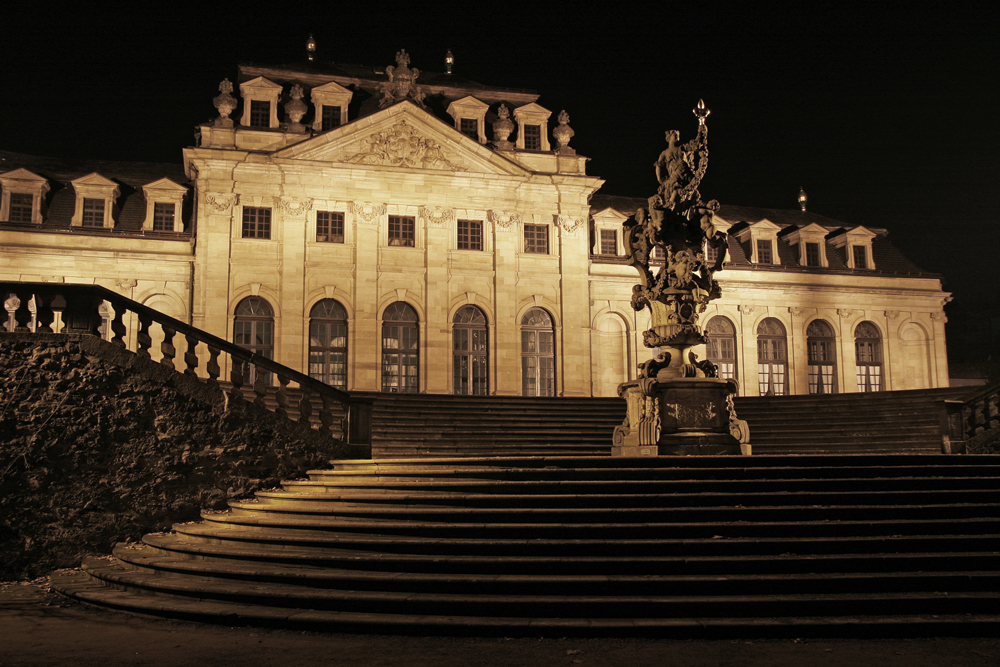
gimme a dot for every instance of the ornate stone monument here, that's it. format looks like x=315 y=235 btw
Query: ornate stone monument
x=678 y=405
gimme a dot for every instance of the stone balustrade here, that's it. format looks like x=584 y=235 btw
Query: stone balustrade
x=974 y=423
x=78 y=309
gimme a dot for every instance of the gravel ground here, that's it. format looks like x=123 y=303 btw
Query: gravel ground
x=39 y=628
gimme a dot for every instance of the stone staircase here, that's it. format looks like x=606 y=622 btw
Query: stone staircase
x=761 y=546
x=407 y=425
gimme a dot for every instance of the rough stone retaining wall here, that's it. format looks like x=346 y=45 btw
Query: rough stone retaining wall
x=99 y=446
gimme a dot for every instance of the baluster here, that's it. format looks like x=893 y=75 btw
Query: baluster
x=213 y=365
x=969 y=427
x=118 y=326
x=281 y=396
x=82 y=313
x=326 y=416
x=305 y=409
x=191 y=357
x=167 y=347
x=44 y=316
x=259 y=386
x=142 y=338
x=236 y=378
x=22 y=316
x=993 y=411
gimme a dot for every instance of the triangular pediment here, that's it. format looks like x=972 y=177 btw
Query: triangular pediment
x=23 y=175
x=532 y=110
x=402 y=137
x=610 y=215
x=764 y=225
x=164 y=185
x=333 y=88
x=260 y=83
x=468 y=104
x=94 y=179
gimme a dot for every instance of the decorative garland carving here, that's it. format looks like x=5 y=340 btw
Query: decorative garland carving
x=437 y=216
x=221 y=201
x=402 y=146
x=294 y=205
x=504 y=220
x=368 y=211
x=569 y=224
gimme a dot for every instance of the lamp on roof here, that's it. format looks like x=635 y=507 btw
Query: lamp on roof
x=802 y=199
x=311 y=47
x=449 y=62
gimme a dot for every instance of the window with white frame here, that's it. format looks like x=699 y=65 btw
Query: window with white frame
x=256 y=222
x=402 y=231
x=470 y=234
x=329 y=227
x=536 y=239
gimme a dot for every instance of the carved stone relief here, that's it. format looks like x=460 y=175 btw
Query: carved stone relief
x=505 y=221
x=403 y=146
x=368 y=212
x=437 y=216
x=568 y=224
x=845 y=312
x=294 y=205
x=221 y=201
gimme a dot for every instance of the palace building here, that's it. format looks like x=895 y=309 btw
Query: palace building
x=392 y=230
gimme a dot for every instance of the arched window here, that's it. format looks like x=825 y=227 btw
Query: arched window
x=868 y=351
x=722 y=345
x=328 y=343
x=538 y=363
x=253 y=329
x=772 y=358
x=471 y=352
x=400 y=349
x=822 y=357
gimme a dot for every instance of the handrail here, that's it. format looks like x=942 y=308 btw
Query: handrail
x=79 y=306
x=975 y=420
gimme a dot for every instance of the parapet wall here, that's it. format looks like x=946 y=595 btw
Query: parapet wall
x=99 y=446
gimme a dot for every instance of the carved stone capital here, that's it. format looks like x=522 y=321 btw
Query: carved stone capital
x=126 y=283
x=294 y=206
x=939 y=317
x=745 y=309
x=221 y=201
x=368 y=212
x=845 y=312
x=569 y=224
x=892 y=314
x=505 y=221
x=796 y=311
x=437 y=216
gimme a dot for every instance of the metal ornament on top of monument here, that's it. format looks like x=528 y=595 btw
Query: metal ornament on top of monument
x=678 y=405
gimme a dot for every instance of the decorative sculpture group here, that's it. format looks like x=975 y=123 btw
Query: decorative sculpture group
x=678 y=405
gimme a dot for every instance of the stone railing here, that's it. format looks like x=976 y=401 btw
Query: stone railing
x=973 y=423
x=78 y=308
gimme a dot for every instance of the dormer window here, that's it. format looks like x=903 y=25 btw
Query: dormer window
x=260 y=113
x=812 y=254
x=810 y=241
x=607 y=229
x=857 y=247
x=21 y=207
x=331 y=101
x=95 y=197
x=93 y=213
x=764 y=255
x=533 y=127
x=470 y=128
x=469 y=115
x=23 y=196
x=609 y=242
x=163 y=206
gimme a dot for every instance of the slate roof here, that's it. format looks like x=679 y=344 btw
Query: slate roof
x=129 y=210
x=887 y=258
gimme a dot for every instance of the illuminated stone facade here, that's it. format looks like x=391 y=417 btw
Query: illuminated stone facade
x=405 y=231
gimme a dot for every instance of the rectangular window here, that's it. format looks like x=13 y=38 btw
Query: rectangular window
x=470 y=128
x=533 y=137
x=764 y=252
x=812 y=254
x=21 y=206
x=609 y=242
x=711 y=253
x=93 y=213
x=163 y=217
x=860 y=256
x=401 y=231
x=470 y=235
x=260 y=113
x=329 y=227
x=536 y=239
x=331 y=117
x=256 y=223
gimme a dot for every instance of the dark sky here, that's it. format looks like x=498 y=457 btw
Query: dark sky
x=885 y=115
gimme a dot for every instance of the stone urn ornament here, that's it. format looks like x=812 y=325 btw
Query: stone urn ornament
x=295 y=109
x=502 y=127
x=678 y=405
x=224 y=103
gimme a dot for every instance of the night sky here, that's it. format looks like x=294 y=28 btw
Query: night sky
x=885 y=115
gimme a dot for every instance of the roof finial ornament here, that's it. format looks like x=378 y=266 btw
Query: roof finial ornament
x=224 y=103
x=802 y=198
x=502 y=127
x=563 y=133
x=295 y=109
x=401 y=83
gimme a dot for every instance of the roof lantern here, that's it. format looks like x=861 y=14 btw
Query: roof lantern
x=311 y=47
x=449 y=62
x=802 y=199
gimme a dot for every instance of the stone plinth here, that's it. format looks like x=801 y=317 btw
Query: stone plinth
x=679 y=417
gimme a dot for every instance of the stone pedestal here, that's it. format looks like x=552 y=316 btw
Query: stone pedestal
x=680 y=417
